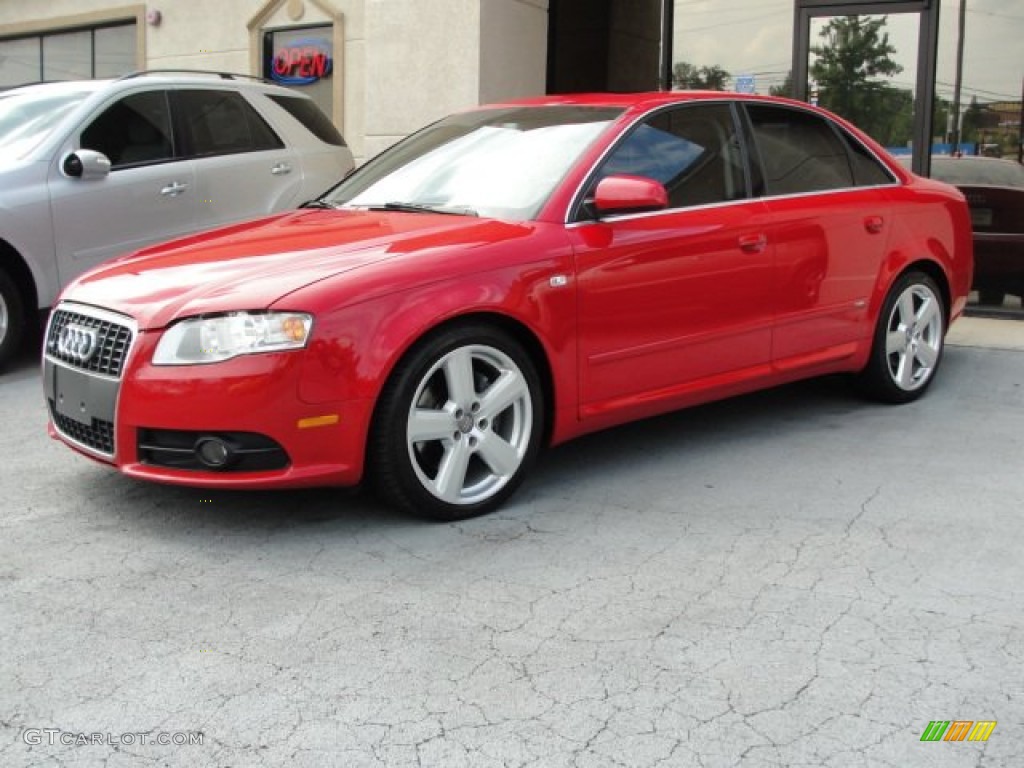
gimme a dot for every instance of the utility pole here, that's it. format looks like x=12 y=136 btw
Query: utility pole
x=959 y=74
x=1020 y=126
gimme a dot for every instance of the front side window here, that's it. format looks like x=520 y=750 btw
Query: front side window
x=691 y=150
x=135 y=130
x=799 y=151
x=222 y=122
x=503 y=163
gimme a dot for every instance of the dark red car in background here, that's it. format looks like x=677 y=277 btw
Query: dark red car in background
x=994 y=190
x=504 y=280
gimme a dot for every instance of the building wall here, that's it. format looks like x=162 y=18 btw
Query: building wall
x=403 y=63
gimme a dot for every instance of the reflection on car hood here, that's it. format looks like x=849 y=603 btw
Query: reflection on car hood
x=253 y=264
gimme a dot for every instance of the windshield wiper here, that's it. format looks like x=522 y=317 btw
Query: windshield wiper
x=318 y=204
x=453 y=210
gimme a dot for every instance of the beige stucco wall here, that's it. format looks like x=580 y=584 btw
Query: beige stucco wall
x=513 y=49
x=404 y=63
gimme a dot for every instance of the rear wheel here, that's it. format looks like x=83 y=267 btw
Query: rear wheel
x=12 y=318
x=908 y=341
x=458 y=424
x=991 y=297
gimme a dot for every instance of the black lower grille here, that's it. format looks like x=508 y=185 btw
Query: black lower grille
x=99 y=435
x=176 y=449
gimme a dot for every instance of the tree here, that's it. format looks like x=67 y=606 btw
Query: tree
x=786 y=89
x=686 y=76
x=854 y=53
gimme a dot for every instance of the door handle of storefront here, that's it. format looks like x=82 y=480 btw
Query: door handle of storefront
x=753 y=243
x=173 y=189
x=281 y=169
x=874 y=224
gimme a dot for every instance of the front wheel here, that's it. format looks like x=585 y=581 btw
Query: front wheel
x=908 y=341
x=458 y=424
x=12 y=319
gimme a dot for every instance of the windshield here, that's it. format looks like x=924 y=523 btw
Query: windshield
x=27 y=117
x=501 y=163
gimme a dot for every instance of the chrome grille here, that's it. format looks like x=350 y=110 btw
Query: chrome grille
x=112 y=342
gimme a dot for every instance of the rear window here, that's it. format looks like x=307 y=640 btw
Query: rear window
x=998 y=173
x=309 y=114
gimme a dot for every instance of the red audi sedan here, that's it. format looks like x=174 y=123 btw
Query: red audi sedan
x=504 y=280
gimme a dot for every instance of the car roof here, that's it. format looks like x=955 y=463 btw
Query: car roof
x=645 y=100
x=154 y=77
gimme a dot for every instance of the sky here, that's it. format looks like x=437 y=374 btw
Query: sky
x=755 y=37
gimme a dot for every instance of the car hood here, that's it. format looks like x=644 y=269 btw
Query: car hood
x=252 y=265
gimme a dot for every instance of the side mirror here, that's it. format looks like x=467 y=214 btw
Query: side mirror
x=86 y=164
x=629 y=194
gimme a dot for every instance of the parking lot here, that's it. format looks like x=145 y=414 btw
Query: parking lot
x=795 y=578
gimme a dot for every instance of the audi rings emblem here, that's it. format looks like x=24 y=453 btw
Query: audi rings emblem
x=77 y=342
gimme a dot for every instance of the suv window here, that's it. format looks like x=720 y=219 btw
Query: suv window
x=309 y=114
x=799 y=151
x=691 y=150
x=133 y=131
x=222 y=122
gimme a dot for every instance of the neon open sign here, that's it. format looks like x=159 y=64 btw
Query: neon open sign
x=302 y=62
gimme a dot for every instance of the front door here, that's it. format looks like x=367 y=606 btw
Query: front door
x=671 y=302
x=146 y=198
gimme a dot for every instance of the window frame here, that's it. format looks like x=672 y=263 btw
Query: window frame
x=845 y=138
x=579 y=209
x=174 y=138
x=179 y=113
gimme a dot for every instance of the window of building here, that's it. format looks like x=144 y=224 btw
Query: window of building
x=302 y=58
x=79 y=54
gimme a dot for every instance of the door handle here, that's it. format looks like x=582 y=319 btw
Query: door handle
x=874 y=224
x=173 y=189
x=280 y=169
x=753 y=243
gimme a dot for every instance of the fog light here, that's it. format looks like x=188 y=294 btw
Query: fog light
x=213 y=452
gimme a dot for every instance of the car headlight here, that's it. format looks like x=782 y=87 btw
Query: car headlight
x=201 y=340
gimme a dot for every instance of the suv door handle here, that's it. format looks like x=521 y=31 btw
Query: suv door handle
x=753 y=243
x=280 y=169
x=874 y=224
x=173 y=189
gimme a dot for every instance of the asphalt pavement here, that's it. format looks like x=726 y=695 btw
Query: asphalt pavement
x=794 y=578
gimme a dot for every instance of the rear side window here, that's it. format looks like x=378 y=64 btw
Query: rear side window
x=309 y=114
x=135 y=130
x=221 y=123
x=868 y=171
x=799 y=151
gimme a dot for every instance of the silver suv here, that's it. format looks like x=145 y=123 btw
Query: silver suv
x=94 y=169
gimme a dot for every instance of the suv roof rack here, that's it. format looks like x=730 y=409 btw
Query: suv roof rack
x=180 y=71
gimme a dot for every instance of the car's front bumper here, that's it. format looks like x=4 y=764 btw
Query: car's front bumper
x=254 y=395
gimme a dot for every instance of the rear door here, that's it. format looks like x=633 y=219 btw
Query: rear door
x=829 y=214
x=243 y=168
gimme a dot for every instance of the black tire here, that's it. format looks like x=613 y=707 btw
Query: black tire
x=991 y=297
x=445 y=387
x=908 y=342
x=12 y=319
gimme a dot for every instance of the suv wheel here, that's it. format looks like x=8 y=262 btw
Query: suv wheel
x=12 y=318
